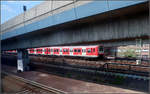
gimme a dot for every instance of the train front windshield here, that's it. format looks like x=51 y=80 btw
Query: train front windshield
x=101 y=49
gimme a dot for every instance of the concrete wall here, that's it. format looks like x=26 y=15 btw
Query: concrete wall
x=121 y=28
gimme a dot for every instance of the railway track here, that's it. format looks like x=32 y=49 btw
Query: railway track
x=85 y=70
x=30 y=87
x=133 y=75
x=113 y=65
x=94 y=64
x=115 y=60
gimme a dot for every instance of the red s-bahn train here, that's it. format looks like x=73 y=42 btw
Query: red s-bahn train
x=93 y=51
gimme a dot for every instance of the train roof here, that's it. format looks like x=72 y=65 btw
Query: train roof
x=71 y=46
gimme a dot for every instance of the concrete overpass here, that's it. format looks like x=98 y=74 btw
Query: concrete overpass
x=64 y=23
x=52 y=23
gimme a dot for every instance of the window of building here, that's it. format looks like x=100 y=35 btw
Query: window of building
x=145 y=50
x=144 y=56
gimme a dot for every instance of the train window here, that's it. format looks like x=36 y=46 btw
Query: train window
x=75 y=50
x=100 y=48
x=48 y=50
x=57 y=50
x=66 y=50
x=89 y=51
x=93 y=49
x=51 y=50
x=60 y=50
x=79 y=50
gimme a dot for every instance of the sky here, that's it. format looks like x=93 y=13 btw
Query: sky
x=10 y=9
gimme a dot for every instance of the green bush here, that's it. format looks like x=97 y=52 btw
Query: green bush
x=130 y=53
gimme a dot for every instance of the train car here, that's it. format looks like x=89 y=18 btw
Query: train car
x=93 y=51
x=80 y=51
x=11 y=51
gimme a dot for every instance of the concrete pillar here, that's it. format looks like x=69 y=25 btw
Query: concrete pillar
x=23 y=60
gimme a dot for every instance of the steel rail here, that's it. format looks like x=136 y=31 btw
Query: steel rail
x=35 y=84
x=94 y=71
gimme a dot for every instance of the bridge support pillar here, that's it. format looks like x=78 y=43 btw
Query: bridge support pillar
x=23 y=60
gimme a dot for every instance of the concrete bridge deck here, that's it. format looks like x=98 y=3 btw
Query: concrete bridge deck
x=65 y=23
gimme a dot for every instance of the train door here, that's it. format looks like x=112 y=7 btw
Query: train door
x=43 y=51
x=83 y=51
x=47 y=51
x=60 y=51
x=52 y=51
x=88 y=51
x=71 y=51
x=94 y=51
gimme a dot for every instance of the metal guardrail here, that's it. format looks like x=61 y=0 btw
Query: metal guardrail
x=95 y=71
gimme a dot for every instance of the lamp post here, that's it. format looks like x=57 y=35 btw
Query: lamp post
x=24 y=8
x=139 y=45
